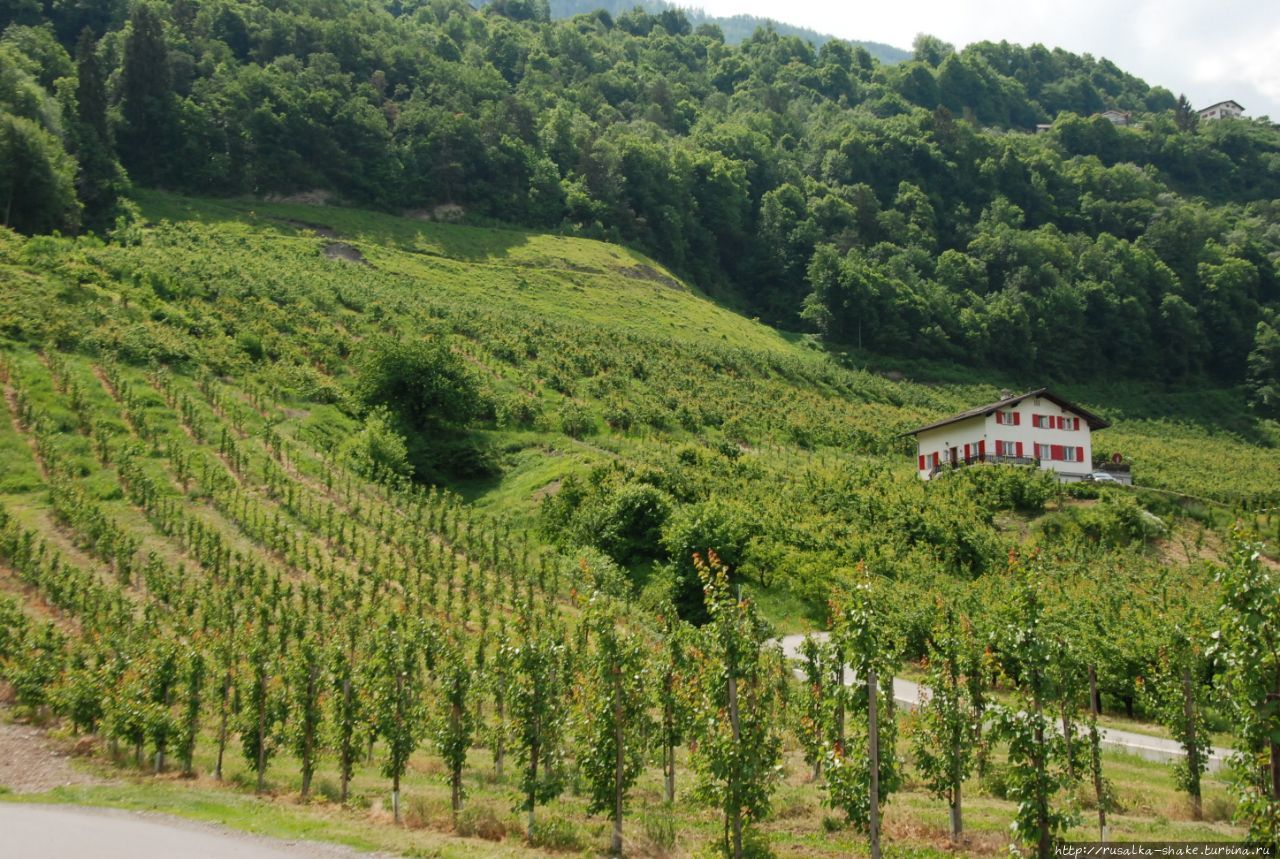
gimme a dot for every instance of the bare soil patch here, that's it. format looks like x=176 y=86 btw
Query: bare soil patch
x=344 y=251
x=30 y=762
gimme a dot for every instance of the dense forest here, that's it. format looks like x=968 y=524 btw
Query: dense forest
x=736 y=28
x=907 y=209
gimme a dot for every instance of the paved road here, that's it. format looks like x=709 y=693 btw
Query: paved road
x=69 y=832
x=907 y=693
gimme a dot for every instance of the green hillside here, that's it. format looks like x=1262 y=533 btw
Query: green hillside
x=194 y=461
x=736 y=28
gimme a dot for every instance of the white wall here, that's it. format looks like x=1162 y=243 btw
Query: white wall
x=987 y=430
x=944 y=438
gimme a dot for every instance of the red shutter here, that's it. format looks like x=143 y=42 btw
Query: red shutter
x=1075 y=423
x=999 y=417
x=1019 y=448
x=1062 y=422
x=967 y=455
x=1079 y=454
x=1055 y=452
x=982 y=448
x=1017 y=418
x=935 y=460
x=922 y=462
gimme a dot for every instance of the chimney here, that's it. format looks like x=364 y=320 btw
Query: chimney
x=1005 y=393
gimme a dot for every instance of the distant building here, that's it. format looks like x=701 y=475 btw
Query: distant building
x=1117 y=117
x=1222 y=110
x=1037 y=428
x=1042 y=127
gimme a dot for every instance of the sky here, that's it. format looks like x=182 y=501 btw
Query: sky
x=1212 y=50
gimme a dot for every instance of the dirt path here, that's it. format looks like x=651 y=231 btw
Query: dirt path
x=31 y=763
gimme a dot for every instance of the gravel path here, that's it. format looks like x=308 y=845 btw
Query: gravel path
x=1159 y=749
x=30 y=763
x=69 y=832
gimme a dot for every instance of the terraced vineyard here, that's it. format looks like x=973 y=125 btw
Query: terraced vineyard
x=199 y=567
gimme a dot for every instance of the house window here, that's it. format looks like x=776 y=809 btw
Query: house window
x=1007 y=418
x=1069 y=454
x=1044 y=452
x=1042 y=422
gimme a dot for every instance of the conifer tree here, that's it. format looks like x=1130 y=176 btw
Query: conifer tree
x=100 y=179
x=146 y=97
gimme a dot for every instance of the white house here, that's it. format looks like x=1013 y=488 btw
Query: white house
x=1036 y=428
x=1222 y=110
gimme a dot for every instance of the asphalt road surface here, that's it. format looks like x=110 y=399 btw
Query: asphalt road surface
x=70 y=832
x=1146 y=747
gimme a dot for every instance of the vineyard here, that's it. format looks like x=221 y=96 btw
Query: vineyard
x=249 y=552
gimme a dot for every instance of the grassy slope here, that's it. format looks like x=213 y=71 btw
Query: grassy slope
x=776 y=396
x=1201 y=441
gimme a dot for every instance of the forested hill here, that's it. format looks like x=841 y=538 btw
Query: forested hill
x=908 y=209
x=735 y=28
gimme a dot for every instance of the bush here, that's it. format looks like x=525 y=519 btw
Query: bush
x=995 y=782
x=694 y=529
x=658 y=825
x=1009 y=487
x=481 y=821
x=516 y=411
x=574 y=420
x=557 y=835
x=421 y=382
x=378 y=451
x=631 y=524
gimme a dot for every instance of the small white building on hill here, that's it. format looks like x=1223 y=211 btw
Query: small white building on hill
x=1036 y=428
x=1222 y=110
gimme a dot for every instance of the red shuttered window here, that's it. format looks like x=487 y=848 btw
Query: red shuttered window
x=1019 y=446
x=922 y=462
x=1055 y=452
x=1017 y=420
x=1079 y=454
x=982 y=448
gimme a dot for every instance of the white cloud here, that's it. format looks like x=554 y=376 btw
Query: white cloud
x=1209 y=49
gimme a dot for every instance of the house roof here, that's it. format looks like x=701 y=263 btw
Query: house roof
x=1094 y=421
x=1237 y=104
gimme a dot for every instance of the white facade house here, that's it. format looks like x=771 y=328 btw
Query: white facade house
x=1222 y=110
x=1037 y=428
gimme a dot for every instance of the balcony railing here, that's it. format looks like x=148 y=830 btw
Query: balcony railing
x=989 y=458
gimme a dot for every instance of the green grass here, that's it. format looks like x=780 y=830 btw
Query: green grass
x=591 y=357
x=916 y=823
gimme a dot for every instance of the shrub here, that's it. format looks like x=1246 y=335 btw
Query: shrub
x=995 y=782
x=378 y=451
x=481 y=821
x=574 y=420
x=658 y=826
x=693 y=529
x=557 y=835
x=421 y=382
